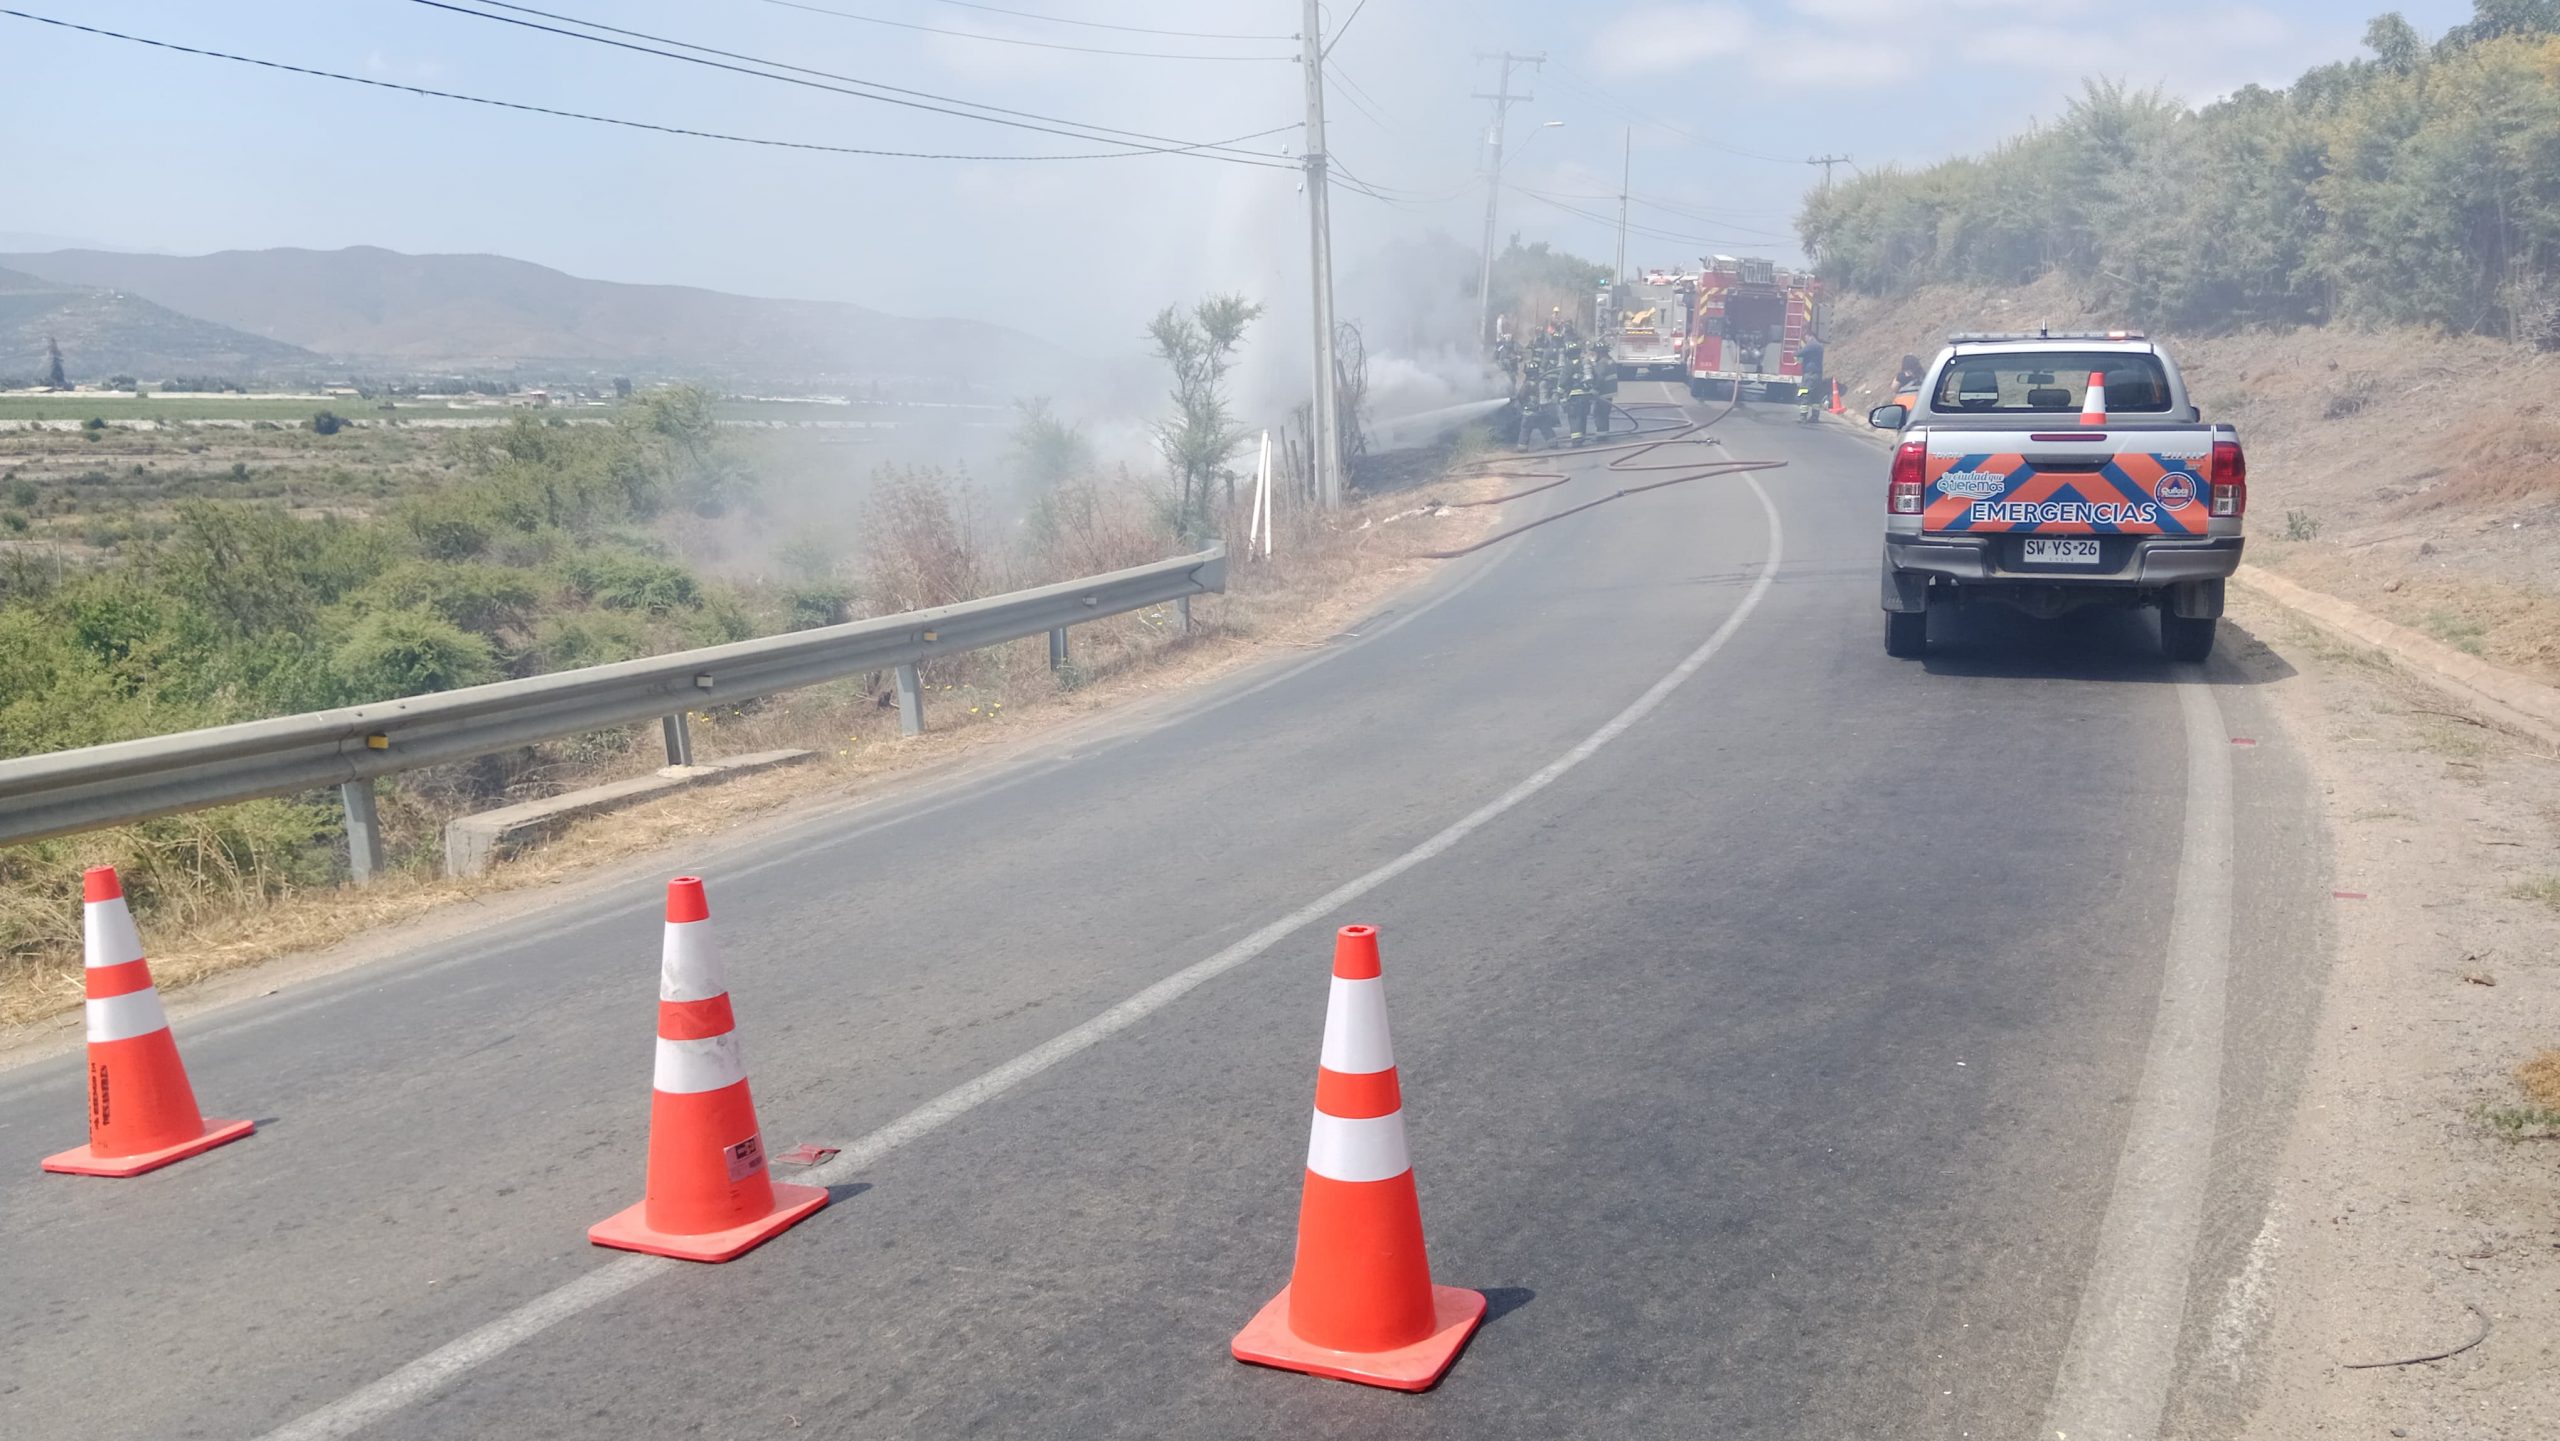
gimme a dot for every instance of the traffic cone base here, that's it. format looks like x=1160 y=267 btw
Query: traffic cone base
x=85 y=1161
x=629 y=1230
x=1267 y=1341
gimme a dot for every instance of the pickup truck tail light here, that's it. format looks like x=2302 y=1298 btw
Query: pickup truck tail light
x=1907 y=494
x=2230 y=479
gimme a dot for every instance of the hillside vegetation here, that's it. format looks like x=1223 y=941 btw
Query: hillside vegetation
x=2420 y=186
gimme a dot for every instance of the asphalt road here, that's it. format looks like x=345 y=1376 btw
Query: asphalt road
x=1773 y=1019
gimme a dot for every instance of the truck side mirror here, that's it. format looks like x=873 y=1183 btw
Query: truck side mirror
x=1889 y=417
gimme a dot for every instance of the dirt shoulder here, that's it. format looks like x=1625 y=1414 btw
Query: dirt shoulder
x=1372 y=554
x=2413 y=1202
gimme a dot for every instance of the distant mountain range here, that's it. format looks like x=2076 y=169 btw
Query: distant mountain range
x=106 y=332
x=382 y=312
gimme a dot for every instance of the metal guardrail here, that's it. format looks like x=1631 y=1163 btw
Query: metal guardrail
x=65 y=792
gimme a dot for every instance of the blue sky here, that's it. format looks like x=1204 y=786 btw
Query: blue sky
x=148 y=150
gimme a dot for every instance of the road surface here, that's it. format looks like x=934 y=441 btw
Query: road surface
x=1796 y=1043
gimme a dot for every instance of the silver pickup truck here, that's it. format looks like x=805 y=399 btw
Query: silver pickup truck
x=2050 y=471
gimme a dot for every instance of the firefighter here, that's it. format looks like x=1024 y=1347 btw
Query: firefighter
x=1809 y=397
x=1578 y=390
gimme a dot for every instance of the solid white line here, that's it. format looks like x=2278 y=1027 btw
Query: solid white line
x=431 y=1373
x=2123 y=1354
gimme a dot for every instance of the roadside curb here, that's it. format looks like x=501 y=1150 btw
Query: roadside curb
x=2526 y=705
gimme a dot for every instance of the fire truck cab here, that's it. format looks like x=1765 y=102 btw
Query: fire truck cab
x=1748 y=327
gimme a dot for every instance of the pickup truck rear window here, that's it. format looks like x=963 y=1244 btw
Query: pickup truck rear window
x=2051 y=382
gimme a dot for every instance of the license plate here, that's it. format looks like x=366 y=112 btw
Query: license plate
x=2074 y=551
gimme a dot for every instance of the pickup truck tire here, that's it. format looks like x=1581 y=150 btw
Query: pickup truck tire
x=2185 y=639
x=1906 y=633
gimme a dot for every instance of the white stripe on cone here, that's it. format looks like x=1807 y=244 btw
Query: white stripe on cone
x=688 y=963
x=121 y=1018
x=1370 y=1149
x=690 y=1067
x=107 y=936
x=1355 y=1028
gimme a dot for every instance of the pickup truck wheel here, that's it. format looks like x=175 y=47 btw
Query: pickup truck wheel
x=1906 y=633
x=2184 y=639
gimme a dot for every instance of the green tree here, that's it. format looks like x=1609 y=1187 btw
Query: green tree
x=1045 y=451
x=53 y=377
x=1201 y=435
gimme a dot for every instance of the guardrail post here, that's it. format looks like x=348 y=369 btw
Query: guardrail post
x=679 y=739
x=910 y=701
x=1183 y=604
x=364 y=831
x=1058 y=649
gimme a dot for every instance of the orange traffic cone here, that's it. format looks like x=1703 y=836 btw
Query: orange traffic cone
x=1360 y=1305
x=2093 y=410
x=710 y=1196
x=1836 y=407
x=142 y=1112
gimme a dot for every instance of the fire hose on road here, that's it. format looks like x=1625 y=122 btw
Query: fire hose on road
x=1623 y=462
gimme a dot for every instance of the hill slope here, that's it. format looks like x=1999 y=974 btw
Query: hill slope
x=112 y=332
x=380 y=309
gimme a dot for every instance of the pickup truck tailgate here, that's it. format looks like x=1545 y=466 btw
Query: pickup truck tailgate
x=2009 y=483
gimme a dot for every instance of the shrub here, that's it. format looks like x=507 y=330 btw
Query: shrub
x=409 y=652
x=94 y=423
x=624 y=580
x=484 y=599
x=920 y=546
x=327 y=422
x=567 y=642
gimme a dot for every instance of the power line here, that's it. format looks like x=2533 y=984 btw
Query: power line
x=1362 y=101
x=550 y=110
x=1012 y=39
x=1345 y=25
x=1211 y=150
x=1600 y=96
x=1647 y=231
x=1101 y=25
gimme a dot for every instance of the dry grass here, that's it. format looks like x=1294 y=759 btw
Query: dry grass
x=2497 y=460
x=2540 y=1078
x=1326 y=572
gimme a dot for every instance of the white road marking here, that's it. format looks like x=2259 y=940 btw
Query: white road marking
x=440 y=1368
x=2122 y=1357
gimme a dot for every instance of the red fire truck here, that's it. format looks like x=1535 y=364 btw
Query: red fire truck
x=1748 y=327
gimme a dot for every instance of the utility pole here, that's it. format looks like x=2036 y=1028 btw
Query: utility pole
x=1826 y=162
x=1327 y=439
x=1626 y=182
x=1503 y=100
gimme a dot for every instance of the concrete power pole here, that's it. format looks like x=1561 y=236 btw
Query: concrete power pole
x=1327 y=440
x=1626 y=182
x=1503 y=100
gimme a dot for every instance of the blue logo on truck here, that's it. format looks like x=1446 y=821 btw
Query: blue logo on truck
x=2174 y=491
